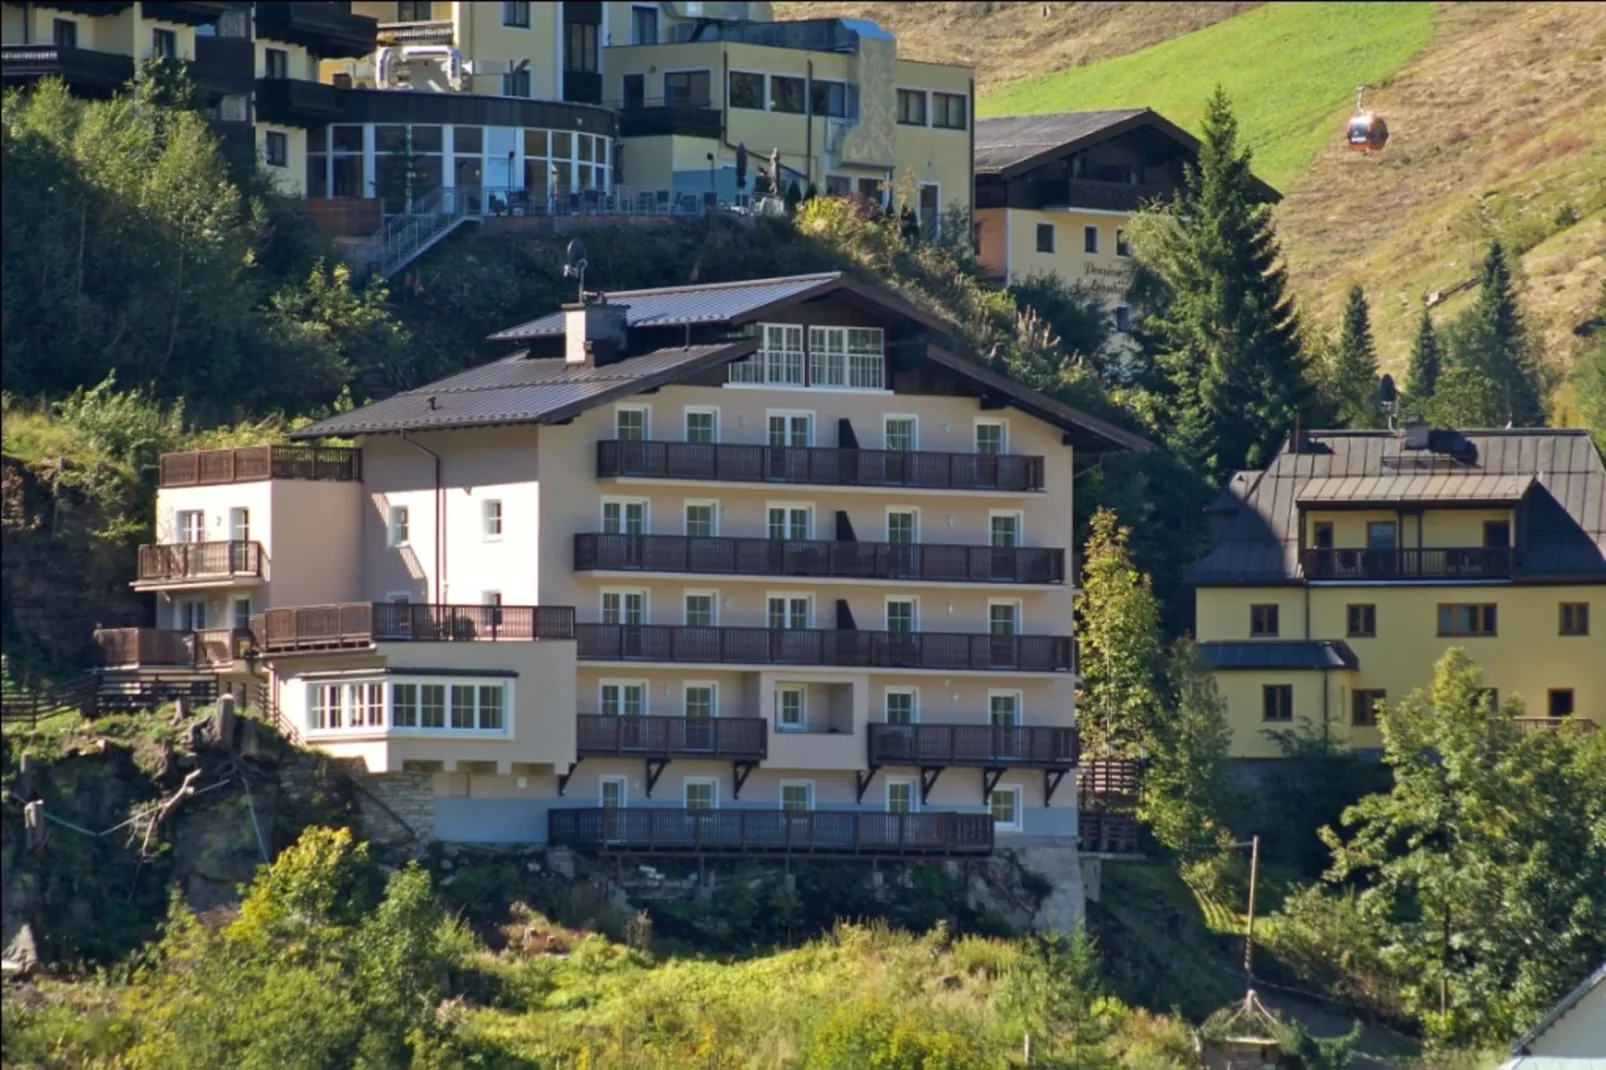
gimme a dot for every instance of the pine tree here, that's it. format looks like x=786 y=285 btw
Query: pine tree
x=1424 y=371
x=1494 y=344
x=1119 y=636
x=1355 y=372
x=1235 y=379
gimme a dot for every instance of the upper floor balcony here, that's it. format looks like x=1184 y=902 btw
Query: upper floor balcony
x=85 y=71
x=845 y=648
x=720 y=556
x=665 y=738
x=818 y=465
x=327 y=29
x=1092 y=193
x=1409 y=563
x=199 y=562
x=171 y=647
x=361 y=624
x=418 y=32
x=251 y=463
x=657 y=117
x=982 y=745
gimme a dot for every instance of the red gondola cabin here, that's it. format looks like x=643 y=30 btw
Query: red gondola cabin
x=1367 y=133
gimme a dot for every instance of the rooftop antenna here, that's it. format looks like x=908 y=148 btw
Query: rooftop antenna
x=1388 y=398
x=574 y=266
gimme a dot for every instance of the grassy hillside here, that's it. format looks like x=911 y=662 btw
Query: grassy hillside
x=1012 y=40
x=1291 y=70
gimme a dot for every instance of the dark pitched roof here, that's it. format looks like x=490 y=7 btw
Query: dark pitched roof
x=1310 y=654
x=723 y=302
x=1007 y=146
x=1556 y=474
x=518 y=389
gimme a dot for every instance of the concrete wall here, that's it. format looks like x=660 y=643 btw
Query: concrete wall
x=1526 y=659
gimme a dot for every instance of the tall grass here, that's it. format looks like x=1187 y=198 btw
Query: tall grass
x=1291 y=70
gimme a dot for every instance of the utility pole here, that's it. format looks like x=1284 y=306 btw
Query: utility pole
x=1249 y=935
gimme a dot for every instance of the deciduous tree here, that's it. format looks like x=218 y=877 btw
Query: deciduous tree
x=1117 y=700
x=1183 y=793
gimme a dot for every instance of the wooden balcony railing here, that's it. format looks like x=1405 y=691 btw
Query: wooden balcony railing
x=603 y=736
x=794 y=557
x=1416 y=563
x=355 y=624
x=1110 y=832
x=972 y=744
x=200 y=560
x=428 y=32
x=756 y=832
x=251 y=463
x=849 y=648
x=728 y=462
x=1107 y=778
x=208 y=648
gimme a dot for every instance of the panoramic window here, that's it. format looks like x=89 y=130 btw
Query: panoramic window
x=410 y=705
x=747 y=90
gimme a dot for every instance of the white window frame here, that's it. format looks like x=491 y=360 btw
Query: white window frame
x=886 y=611
x=183 y=606
x=1005 y=514
x=713 y=790
x=790 y=597
x=1017 y=825
x=621 y=684
x=234 y=611
x=764 y=80
x=713 y=507
x=789 y=507
x=699 y=410
x=755 y=370
x=646 y=604
x=239 y=524
x=1019 y=697
x=912 y=510
x=491 y=519
x=1003 y=434
x=624 y=789
x=847 y=384
x=702 y=592
x=398 y=527
x=646 y=420
x=1020 y=614
x=914 y=422
x=802 y=708
x=780 y=795
x=183 y=529
x=623 y=503
x=914 y=702
x=789 y=415
x=914 y=793
x=387 y=724
x=685 y=688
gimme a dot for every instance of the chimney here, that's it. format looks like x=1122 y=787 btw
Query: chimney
x=593 y=332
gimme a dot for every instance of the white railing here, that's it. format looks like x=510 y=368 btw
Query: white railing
x=426 y=221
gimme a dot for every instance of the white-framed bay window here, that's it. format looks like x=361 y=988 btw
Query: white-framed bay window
x=847 y=357
x=405 y=706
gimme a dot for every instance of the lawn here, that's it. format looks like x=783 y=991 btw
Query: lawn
x=1291 y=70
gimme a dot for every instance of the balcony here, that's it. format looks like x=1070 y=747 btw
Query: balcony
x=982 y=745
x=1417 y=563
x=1107 y=832
x=208 y=648
x=195 y=13
x=85 y=71
x=1091 y=193
x=427 y=32
x=296 y=102
x=582 y=87
x=223 y=66
x=712 y=555
x=188 y=561
x=822 y=466
x=846 y=648
x=1571 y=723
x=660 y=118
x=663 y=738
x=360 y=624
x=1108 y=779
x=252 y=463
x=770 y=832
x=328 y=30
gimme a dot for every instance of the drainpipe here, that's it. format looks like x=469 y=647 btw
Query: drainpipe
x=970 y=233
x=808 y=127
x=440 y=514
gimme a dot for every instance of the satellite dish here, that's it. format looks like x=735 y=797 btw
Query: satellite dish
x=574 y=266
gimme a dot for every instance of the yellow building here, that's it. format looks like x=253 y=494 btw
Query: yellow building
x=255 y=65
x=1054 y=194
x=1341 y=573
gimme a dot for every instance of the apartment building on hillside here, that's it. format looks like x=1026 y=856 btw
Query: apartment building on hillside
x=255 y=65
x=748 y=567
x=1343 y=571
x=1054 y=194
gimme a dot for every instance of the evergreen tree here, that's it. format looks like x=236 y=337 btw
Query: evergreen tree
x=1424 y=370
x=1355 y=372
x=1119 y=635
x=1234 y=379
x=1494 y=344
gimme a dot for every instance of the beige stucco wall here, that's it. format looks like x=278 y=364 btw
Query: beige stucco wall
x=1526 y=659
x=1009 y=247
x=124 y=33
x=1434 y=528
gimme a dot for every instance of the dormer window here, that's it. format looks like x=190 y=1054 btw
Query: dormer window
x=836 y=358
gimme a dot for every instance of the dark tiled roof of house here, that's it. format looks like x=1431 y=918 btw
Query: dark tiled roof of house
x=518 y=389
x=1312 y=654
x=1556 y=474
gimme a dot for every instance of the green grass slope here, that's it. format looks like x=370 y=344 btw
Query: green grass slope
x=1290 y=68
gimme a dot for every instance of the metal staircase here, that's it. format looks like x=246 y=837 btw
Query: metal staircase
x=406 y=236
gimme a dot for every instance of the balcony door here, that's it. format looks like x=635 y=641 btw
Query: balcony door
x=790 y=434
x=699 y=709
x=627 y=519
x=790 y=617
x=1003 y=627
x=1004 y=537
x=790 y=527
x=628 y=609
x=627 y=702
x=1382 y=547
x=1003 y=713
